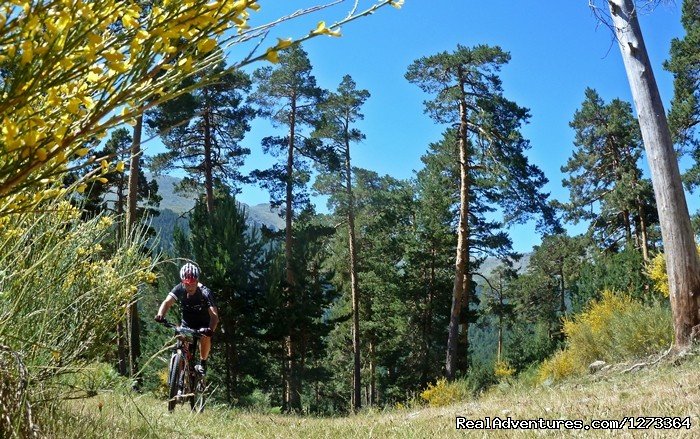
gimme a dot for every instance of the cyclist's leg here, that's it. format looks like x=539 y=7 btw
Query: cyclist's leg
x=204 y=342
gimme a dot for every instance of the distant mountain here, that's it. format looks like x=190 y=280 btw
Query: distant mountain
x=260 y=214
x=175 y=207
x=490 y=264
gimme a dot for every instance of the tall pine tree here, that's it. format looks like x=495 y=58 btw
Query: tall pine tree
x=605 y=182
x=288 y=95
x=490 y=154
x=202 y=130
x=339 y=111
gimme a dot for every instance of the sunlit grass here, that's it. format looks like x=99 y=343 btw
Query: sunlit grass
x=663 y=390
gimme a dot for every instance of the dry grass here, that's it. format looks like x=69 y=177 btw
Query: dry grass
x=662 y=390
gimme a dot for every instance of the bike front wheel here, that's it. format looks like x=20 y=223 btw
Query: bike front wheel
x=173 y=380
x=197 y=399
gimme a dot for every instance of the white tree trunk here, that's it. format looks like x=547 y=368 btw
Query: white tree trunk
x=679 y=245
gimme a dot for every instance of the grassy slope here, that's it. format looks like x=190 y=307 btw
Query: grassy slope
x=663 y=390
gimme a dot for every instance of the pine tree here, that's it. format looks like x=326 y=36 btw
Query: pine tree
x=202 y=131
x=288 y=96
x=684 y=116
x=430 y=255
x=338 y=113
x=603 y=171
x=231 y=255
x=384 y=211
x=490 y=149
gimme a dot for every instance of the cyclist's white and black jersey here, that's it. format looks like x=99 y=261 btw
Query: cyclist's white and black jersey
x=195 y=308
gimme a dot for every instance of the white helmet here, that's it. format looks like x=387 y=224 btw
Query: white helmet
x=189 y=272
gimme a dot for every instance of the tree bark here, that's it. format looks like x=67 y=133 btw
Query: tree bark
x=134 y=170
x=354 y=287
x=132 y=198
x=122 y=353
x=208 y=176
x=372 y=374
x=644 y=244
x=679 y=244
x=461 y=262
x=293 y=393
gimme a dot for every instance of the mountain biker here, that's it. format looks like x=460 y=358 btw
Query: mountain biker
x=198 y=309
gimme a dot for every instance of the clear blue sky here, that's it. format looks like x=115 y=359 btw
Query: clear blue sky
x=557 y=50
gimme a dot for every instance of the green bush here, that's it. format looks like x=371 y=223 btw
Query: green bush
x=65 y=284
x=615 y=328
x=91 y=379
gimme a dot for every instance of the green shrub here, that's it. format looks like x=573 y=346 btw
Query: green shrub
x=479 y=378
x=65 y=284
x=91 y=379
x=615 y=328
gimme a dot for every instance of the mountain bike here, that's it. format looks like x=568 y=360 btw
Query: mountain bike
x=184 y=383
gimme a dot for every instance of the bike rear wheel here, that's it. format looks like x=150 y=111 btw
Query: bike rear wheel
x=174 y=380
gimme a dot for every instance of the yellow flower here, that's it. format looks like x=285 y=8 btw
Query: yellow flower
x=272 y=56
x=94 y=39
x=41 y=154
x=104 y=165
x=283 y=44
x=81 y=188
x=151 y=277
x=106 y=221
x=73 y=105
x=120 y=166
x=186 y=64
x=254 y=6
x=206 y=45
x=82 y=152
x=130 y=22
x=27 y=52
x=321 y=29
x=112 y=56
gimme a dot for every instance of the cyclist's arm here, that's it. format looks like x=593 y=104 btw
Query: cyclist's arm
x=213 y=318
x=165 y=306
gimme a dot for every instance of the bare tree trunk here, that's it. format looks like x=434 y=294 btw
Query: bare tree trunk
x=462 y=258
x=500 y=319
x=208 y=177
x=134 y=171
x=293 y=385
x=372 y=373
x=132 y=198
x=122 y=353
x=354 y=287
x=562 y=289
x=644 y=244
x=679 y=245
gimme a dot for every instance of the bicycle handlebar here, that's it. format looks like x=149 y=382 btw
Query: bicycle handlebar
x=181 y=329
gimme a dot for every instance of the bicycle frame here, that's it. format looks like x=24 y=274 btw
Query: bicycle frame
x=187 y=347
x=183 y=382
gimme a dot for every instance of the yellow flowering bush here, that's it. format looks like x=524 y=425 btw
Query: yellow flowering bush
x=61 y=296
x=615 y=328
x=503 y=370
x=656 y=270
x=562 y=365
x=444 y=393
x=72 y=69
